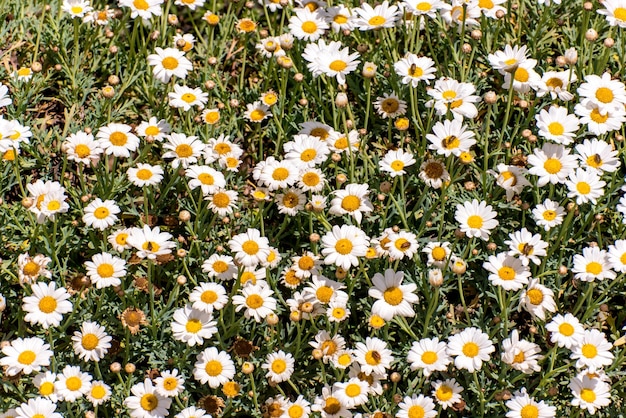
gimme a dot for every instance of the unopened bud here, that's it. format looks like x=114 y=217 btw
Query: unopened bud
x=591 y=35
x=341 y=100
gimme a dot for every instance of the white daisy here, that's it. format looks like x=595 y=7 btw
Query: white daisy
x=451 y=138
x=169 y=62
x=150 y=242
x=552 y=163
x=185 y=150
x=470 y=347
x=392 y=297
x=25 y=355
x=146 y=402
x=214 y=367
x=257 y=301
x=557 y=125
x=101 y=214
x=208 y=297
x=565 y=330
x=344 y=245
x=548 y=214
x=192 y=326
x=476 y=219
x=47 y=305
x=414 y=69
x=429 y=355
x=585 y=186
x=279 y=366
x=92 y=342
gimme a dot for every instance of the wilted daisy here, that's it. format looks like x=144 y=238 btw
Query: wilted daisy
x=373 y=355
x=414 y=69
x=390 y=106
x=476 y=219
x=145 y=175
x=192 y=326
x=602 y=92
x=393 y=298
x=184 y=150
x=548 y=214
x=552 y=163
x=450 y=138
x=537 y=299
x=116 y=139
x=526 y=246
x=598 y=155
x=521 y=405
x=416 y=406
x=353 y=200
x=168 y=62
x=434 y=173
x=101 y=214
x=447 y=392
x=170 y=383
x=343 y=245
x=585 y=186
x=72 y=383
x=590 y=394
x=257 y=112
x=92 y=342
x=279 y=366
x=307 y=25
x=556 y=83
x=35 y=408
x=521 y=355
x=154 y=128
x=257 y=301
x=565 y=330
x=213 y=367
x=47 y=305
x=470 y=348
x=82 y=148
x=557 y=125
x=150 y=242
x=429 y=355
x=592 y=351
x=25 y=355
x=146 y=402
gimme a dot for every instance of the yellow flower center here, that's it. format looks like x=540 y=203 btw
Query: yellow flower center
x=213 y=368
x=510 y=61
x=332 y=406
x=350 y=203
x=344 y=359
x=31 y=269
x=295 y=411
x=221 y=200
x=554 y=83
x=324 y=293
x=597 y=117
x=343 y=246
x=321 y=133
x=416 y=411
x=188 y=97
x=144 y=174
x=231 y=389
x=169 y=63
x=423 y=6
x=118 y=139
x=470 y=349
x=373 y=358
x=583 y=187
x=77 y=10
x=47 y=304
x=506 y=273
x=220 y=266
x=9 y=155
x=254 y=301
x=340 y=19
x=429 y=357
x=26 y=357
x=589 y=350
x=250 y=247
x=208 y=296
x=594 y=161
x=377 y=21
x=279 y=366
x=448 y=94
x=141 y=4
x=23 y=72
x=390 y=105
x=280 y=174
x=475 y=222
x=393 y=296
x=120 y=239
x=328 y=347
x=148 y=401
x=212 y=117
x=566 y=329
x=438 y=253
x=193 y=325
x=89 y=341
x=341 y=143
x=485 y=4
x=309 y=27
x=257 y=115
x=308 y=155
x=184 y=151
x=622 y=259
x=98 y=392
x=246 y=25
x=54 y=205
x=521 y=75
x=620 y=13
x=604 y=95
x=397 y=165
x=556 y=128
x=206 y=178
x=46 y=388
x=73 y=383
x=529 y=411
x=150 y=246
x=353 y=390
x=311 y=179
x=549 y=215
x=101 y=213
x=170 y=383
x=587 y=395
x=338 y=65
x=535 y=296
x=552 y=165
x=247 y=276
x=306 y=263
x=290 y=200
x=509 y=177
x=450 y=142
x=519 y=357
x=82 y=150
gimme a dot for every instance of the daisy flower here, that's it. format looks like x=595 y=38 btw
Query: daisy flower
x=565 y=330
x=340 y=143
x=211 y=116
x=343 y=245
x=116 y=139
x=168 y=62
x=98 y=393
x=381 y=16
x=82 y=148
x=521 y=355
x=279 y=366
x=76 y=8
x=192 y=4
x=192 y=326
x=392 y=297
x=592 y=351
x=602 y=92
x=92 y=342
x=325 y=290
x=617 y=256
x=32 y=268
x=307 y=25
x=25 y=355
x=508 y=60
x=146 y=402
x=169 y=384
x=149 y=242
x=511 y=179
x=101 y=214
x=402 y=244
x=47 y=305
x=451 y=96
x=537 y=299
x=72 y=383
x=250 y=247
x=390 y=106
x=221 y=147
x=425 y=7
x=331 y=60
x=328 y=345
x=306 y=150
x=507 y=271
x=556 y=83
x=300 y=408
x=220 y=266
x=311 y=180
x=450 y=138
x=36 y=408
x=52 y=204
x=470 y=347
x=598 y=155
x=600 y=122
x=394 y=162
x=186 y=97
x=208 y=179
x=373 y=355
x=429 y=355
x=557 y=125
x=523 y=78
x=526 y=246
x=552 y=163
x=5 y=98
x=257 y=301
x=447 y=392
x=351 y=393
x=476 y=219
x=329 y=406
x=154 y=128
x=192 y=412
x=615 y=12
x=416 y=406
x=585 y=186
x=145 y=175
x=353 y=200
x=184 y=150
x=548 y=214
x=257 y=112
x=434 y=173
x=213 y=367
x=590 y=394
x=339 y=18
x=414 y=69
x=118 y=240
x=521 y=405
x=23 y=74
x=491 y=8
x=438 y=253
x=207 y=297
x=44 y=382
